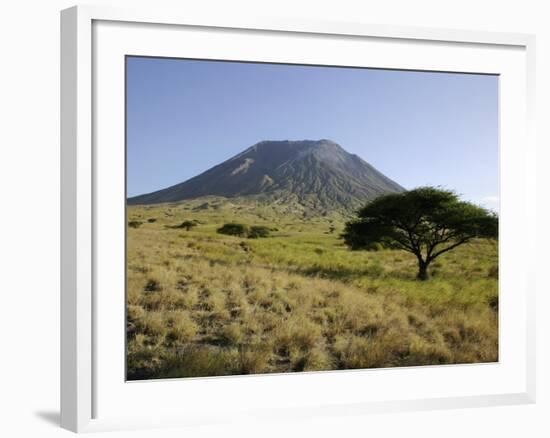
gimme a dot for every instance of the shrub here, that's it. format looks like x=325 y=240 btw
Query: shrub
x=197 y=361
x=187 y=225
x=233 y=229
x=134 y=224
x=142 y=362
x=153 y=324
x=255 y=359
x=152 y=285
x=242 y=230
x=352 y=352
x=183 y=328
x=317 y=359
x=151 y=220
x=232 y=333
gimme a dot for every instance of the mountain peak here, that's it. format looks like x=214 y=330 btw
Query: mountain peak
x=306 y=143
x=315 y=173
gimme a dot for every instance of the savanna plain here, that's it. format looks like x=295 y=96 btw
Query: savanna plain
x=202 y=303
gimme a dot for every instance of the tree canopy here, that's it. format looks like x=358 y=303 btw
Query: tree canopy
x=426 y=221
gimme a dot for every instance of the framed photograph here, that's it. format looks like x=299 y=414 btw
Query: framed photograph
x=267 y=217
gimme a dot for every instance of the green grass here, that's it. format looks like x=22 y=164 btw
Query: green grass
x=201 y=303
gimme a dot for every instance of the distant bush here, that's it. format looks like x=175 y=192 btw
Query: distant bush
x=257 y=231
x=188 y=225
x=152 y=285
x=134 y=224
x=233 y=229
x=242 y=230
x=151 y=220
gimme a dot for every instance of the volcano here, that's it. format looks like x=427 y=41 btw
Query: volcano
x=318 y=174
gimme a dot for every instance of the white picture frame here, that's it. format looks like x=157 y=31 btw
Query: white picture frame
x=85 y=381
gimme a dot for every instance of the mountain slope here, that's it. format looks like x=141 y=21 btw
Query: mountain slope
x=316 y=174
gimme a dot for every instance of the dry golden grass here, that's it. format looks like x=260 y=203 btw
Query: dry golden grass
x=200 y=303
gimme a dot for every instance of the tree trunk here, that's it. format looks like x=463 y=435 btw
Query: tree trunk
x=422 y=271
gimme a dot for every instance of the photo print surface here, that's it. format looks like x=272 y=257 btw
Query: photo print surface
x=288 y=218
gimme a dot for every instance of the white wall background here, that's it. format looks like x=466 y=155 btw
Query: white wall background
x=29 y=216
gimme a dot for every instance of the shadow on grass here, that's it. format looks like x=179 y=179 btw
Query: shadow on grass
x=341 y=272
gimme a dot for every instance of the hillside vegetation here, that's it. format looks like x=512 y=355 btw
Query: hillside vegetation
x=201 y=303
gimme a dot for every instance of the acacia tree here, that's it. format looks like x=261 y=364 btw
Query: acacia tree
x=426 y=221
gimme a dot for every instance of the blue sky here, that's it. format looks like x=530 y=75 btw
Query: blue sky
x=418 y=128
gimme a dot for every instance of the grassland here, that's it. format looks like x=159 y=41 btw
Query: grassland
x=200 y=303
